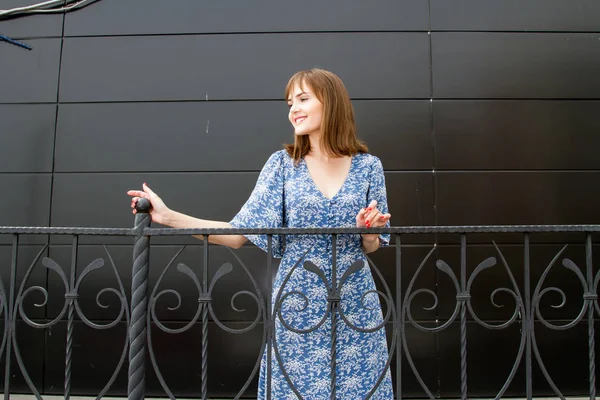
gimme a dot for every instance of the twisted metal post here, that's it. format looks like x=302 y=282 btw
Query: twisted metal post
x=270 y=315
x=590 y=297
x=399 y=323
x=334 y=303
x=70 y=297
x=139 y=303
x=529 y=324
x=205 y=303
x=11 y=311
x=463 y=316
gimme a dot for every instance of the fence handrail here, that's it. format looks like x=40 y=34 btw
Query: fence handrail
x=35 y=230
x=139 y=308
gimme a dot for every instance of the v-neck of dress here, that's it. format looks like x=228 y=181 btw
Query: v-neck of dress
x=310 y=178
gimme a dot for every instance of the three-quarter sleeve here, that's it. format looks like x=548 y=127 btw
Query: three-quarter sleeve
x=265 y=206
x=377 y=192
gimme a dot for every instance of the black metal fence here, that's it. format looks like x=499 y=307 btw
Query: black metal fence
x=138 y=311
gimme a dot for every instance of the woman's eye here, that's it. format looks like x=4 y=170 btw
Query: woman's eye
x=304 y=99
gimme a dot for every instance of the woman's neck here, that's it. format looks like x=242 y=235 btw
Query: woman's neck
x=316 y=150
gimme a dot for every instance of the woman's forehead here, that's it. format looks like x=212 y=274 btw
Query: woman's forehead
x=299 y=87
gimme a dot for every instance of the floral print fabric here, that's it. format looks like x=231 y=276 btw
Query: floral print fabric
x=286 y=196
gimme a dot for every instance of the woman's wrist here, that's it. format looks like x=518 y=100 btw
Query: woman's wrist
x=370 y=238
x=166 y=218
x=370 y=242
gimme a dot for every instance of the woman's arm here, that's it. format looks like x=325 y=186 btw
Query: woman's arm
x=371 y=217
x=370 y=245
x=163 y=215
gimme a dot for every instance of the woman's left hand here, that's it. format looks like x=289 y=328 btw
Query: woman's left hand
x=371 y=217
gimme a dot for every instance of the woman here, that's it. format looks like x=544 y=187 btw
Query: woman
x=325 y=179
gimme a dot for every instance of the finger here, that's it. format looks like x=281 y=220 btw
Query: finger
x=381 y=221
x=148 y=190
x=373 y=218
x=137 y=193
x=384 y=218
x=372 y=206
x=372 y=212
x=362 y=214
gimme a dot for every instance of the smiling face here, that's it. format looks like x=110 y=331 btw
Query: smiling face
x=321 y=114
x=306 y=111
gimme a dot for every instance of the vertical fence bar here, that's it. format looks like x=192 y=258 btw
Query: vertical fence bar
x=463 y=317
x=591 y=299
x=333 y=306
x=270 y=318
x=11 y=304
x=399 y=322
x=139 y=304
x=71 y=311
x=529 y=322
x=204 y=381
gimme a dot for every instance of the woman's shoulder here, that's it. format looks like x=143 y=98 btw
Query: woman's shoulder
x=368 y=160
x=279 y=158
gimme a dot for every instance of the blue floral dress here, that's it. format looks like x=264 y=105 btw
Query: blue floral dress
x=286 y=196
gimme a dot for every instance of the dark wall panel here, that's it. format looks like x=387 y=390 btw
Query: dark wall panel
x=191 y=16
x=514 y=15
x=26 y=137
x=485 y=379
x=516 y=134
x=489 y=367
x=96 y=356
x=515 y=65
x=220 y=136
x=32 y=25
x=28 y=202
x=422 y=347
x=209 y=136
x=241 y=66
x=410 y=198
x=100 y=200
x=398 y=132
x=208 y=195
x=489 y=198
x=30 y=342
x=33 y=74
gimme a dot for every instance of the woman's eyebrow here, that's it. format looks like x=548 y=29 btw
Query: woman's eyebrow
x=298 y=95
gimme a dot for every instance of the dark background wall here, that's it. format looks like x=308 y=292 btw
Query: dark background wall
x=482 y=111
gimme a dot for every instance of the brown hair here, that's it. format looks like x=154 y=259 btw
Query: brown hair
x=338 y=128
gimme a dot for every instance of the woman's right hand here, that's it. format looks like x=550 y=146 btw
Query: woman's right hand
x=158 y=211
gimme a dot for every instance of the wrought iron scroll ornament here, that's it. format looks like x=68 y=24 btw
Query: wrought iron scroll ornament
x=205 y=307
x=71 y=307
x=528 y=314
x=463 y=304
